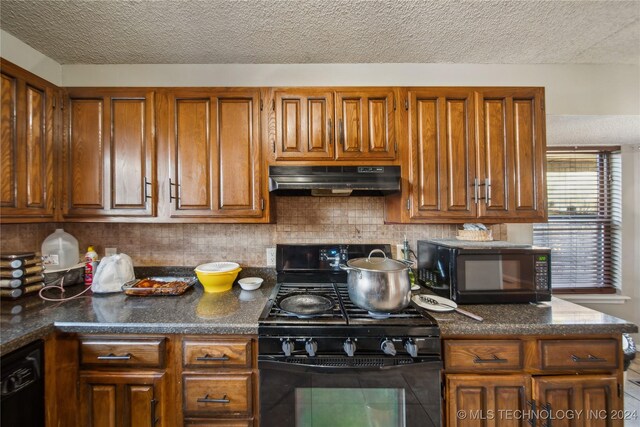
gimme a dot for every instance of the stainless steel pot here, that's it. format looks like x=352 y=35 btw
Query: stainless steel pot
x=379 y=285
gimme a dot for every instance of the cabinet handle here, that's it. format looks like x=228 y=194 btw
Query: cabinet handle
x=532 y=420
x=207 y=399
x=329 y=131
x=112 y=356
x=494 y=359
x=475 y=190
x=340 y=131
x=487 y=190
x=589 y=358
x=147 y=187
x=208 y=358
x=171 y=196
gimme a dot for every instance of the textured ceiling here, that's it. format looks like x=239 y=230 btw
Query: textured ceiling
x=327 y=31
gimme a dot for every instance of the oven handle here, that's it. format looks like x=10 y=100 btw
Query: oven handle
x=267 y=362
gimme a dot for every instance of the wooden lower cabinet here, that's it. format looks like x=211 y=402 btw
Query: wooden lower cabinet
x=128 y=399
x=594 y=399
x=475 y=400
x=569 y=381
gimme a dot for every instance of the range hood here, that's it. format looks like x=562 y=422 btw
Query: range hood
x=334 y=180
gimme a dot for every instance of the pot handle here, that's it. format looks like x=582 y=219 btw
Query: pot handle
x=377 y=250
x=346 y=267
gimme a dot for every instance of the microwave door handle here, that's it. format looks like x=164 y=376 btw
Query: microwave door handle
x=441 y=270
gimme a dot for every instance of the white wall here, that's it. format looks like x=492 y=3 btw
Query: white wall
x=30 y=59
x=570 y=89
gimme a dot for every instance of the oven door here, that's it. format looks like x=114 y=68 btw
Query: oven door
x=302 y=395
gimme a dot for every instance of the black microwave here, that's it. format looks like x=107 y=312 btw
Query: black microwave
x=493 y=272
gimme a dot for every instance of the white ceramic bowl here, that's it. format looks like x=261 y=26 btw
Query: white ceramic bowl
x=250 y=283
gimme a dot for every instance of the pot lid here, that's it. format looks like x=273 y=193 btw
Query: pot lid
x=376 y=263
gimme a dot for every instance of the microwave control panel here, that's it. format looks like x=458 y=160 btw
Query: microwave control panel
x=542 y=272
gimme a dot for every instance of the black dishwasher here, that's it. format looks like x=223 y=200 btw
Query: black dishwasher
x=23 y=387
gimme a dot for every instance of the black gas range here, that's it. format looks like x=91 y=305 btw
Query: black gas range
x=317 y=350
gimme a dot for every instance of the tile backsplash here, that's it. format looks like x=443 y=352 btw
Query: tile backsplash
x=299 y=220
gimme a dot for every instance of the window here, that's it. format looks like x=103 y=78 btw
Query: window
x=583 y=232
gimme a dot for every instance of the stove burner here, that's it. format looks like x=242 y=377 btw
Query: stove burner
x=306 y=305
x=376 y=315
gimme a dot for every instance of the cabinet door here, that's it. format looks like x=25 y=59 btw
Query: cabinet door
x=27 y=138
x=303 y=124
x=127 y=399
x=441 y=154
x=109 y=153
x=511 y=153
x=474 y=400
x=365 y=125
x=595 y=395
x=214 y=154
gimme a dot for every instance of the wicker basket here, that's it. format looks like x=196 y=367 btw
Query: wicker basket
x=476 y=235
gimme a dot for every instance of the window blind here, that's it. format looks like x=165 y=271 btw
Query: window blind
x=583 y=232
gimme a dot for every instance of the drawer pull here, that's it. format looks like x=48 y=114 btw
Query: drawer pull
x=207 y=399
x=495 y=359
x=589 y=358
x=208 y=358
x=112 y=356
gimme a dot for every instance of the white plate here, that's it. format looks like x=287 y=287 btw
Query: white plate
x=442 y=300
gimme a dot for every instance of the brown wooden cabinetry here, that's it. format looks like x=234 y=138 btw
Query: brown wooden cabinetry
x=511 y=153
x=321 y=125
x=127 y=399
x=574 y=380
x=473 y=153
x=213 y=154
x=219 y=381
x=303 y=124
x=29 y=119
x=474 y=400
x=109 y=153
x=123 y=381
x=365 y=124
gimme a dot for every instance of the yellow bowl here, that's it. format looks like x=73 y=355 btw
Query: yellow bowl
x=217 y=281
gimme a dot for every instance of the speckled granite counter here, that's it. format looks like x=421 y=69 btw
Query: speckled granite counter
x=557 y=317
x=237 y=312
x=195 y=312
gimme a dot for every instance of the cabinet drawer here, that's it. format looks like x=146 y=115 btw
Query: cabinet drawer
x=206 y=395
x=485 y=355
x=232 y=353
x=578 y=355
x=109 y=352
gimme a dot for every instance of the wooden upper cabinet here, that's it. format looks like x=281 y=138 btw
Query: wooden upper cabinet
x=214 y=153
x=109 y=153
x=441 y=153
x=27 y=146
x=303 y=124
x=365 y=125
x=511 y=153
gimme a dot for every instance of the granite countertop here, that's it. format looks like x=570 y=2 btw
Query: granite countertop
x=194 y=312
x=237 y=312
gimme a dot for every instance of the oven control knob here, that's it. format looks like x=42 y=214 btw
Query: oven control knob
x=388 y=347
x=311 y=346
x=349 y=347
x=287 y=347
x=411 y=348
